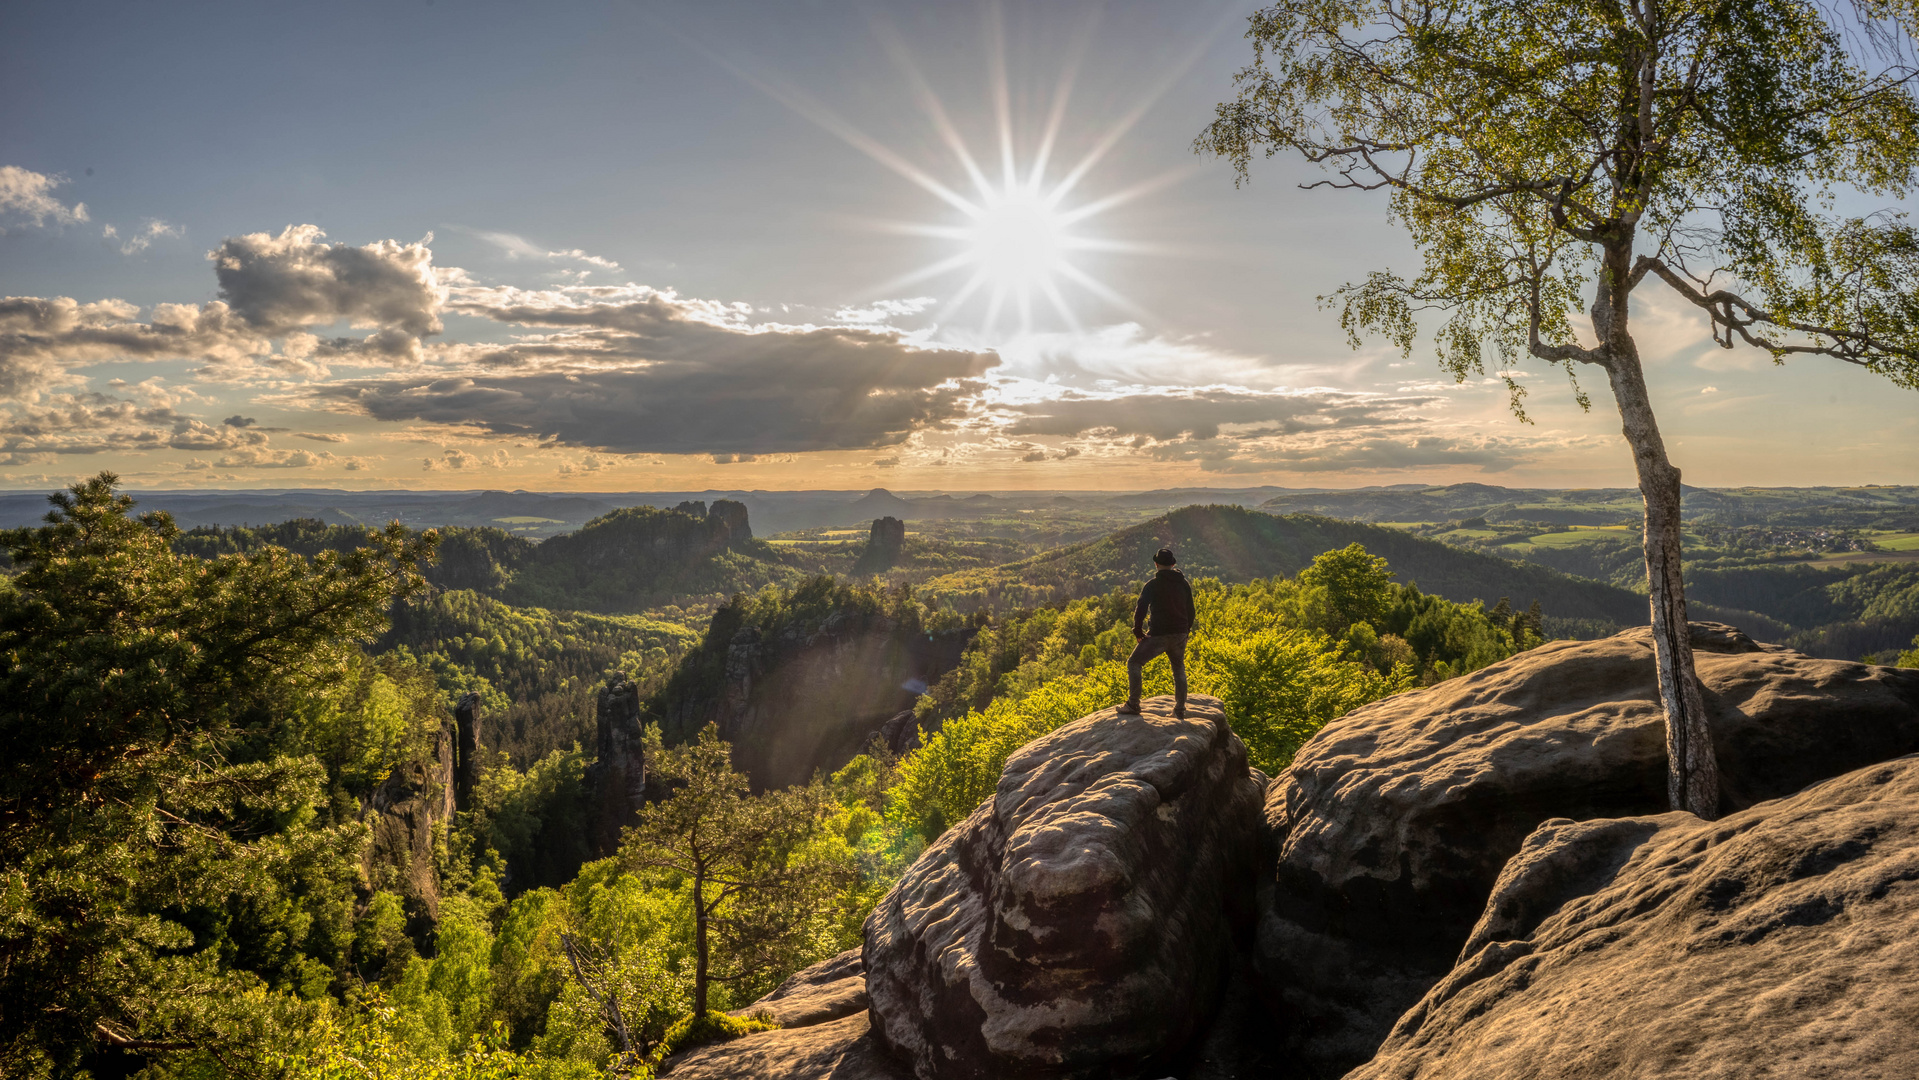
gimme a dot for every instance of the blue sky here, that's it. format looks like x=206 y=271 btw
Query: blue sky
x=679 y=245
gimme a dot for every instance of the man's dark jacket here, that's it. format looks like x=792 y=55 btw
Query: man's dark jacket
x=1170 y=599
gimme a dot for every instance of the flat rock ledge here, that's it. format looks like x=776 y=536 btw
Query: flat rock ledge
x=823 y=1034
x=1780 y=941
x=1081 y=923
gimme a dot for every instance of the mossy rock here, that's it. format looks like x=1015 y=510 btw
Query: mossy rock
x=693 y=1031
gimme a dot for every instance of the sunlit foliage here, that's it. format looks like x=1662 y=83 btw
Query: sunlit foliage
x=175 y=877
x=1285 y=656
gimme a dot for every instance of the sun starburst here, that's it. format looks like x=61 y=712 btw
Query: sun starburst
x=1015 y=241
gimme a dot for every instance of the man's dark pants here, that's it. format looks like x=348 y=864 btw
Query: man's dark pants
x=1174 y=646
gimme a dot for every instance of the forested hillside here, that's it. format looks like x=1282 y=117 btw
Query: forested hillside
x=1235 y=544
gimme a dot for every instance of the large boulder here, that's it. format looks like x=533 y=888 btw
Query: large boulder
x=1082 y=922
x=1393 y=823
x=1779 y=941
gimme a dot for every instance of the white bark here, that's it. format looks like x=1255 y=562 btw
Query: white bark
x=1692 y=774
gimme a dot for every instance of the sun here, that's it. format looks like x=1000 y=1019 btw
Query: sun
x=1018 y=240
x=1016 y=226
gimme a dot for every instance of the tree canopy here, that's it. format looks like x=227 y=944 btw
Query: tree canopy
x=163 y=861
x=1535 y=148
x=1531 y=147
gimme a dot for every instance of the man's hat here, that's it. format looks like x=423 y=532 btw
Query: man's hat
x=1165 y=557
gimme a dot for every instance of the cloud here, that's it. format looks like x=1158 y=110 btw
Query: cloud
x=140 y=241
x=634 y=369
x=881 y=311
x=587 y=463
x=1236 y=430
x=41 y=337
x=1367 y=454
x=263 y=457
x=460 y=459
x=281 y=283
x=1124 y=354
x=1201 y=413
x=320 y=436
x=270 y=287
x=28 y=195
x=92 y=423
x=519 y=247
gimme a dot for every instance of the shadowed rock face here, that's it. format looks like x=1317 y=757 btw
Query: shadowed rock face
x=795 y=702
x=1393 y=824
x=1081 y=922
x=883 y=546
x=616 y=781
x=1778 y=941
x=402 y=812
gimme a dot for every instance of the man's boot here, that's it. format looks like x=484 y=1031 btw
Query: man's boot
x=1130 y=708
x=1179 y=707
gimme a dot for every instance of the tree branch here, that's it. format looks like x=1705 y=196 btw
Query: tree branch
x=1736 y=316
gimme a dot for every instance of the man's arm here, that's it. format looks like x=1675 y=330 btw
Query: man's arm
x=1139 y=609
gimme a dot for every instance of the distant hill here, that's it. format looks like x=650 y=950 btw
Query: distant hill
x=1604 y=506
x=1236 y=544
x=639 y=556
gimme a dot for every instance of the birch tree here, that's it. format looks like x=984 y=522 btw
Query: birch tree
x=1549 y=156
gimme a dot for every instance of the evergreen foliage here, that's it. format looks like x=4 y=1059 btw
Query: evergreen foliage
x=534 y=669
x=175 y=879
x=759 y=887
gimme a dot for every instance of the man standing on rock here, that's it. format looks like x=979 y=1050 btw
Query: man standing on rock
x=1169 y=599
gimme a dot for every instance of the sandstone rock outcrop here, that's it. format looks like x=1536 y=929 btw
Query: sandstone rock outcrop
x=1780 y=941
x=616 y=781
x=1082 y=922
x=726 y=520
x=842 y=1049
x=466 y=749
x=824 y=1033
x=828 y=990
x=402 y=813
x=883 y=545
x=1393 y=824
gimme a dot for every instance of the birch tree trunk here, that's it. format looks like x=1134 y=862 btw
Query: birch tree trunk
x=1692 y=773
